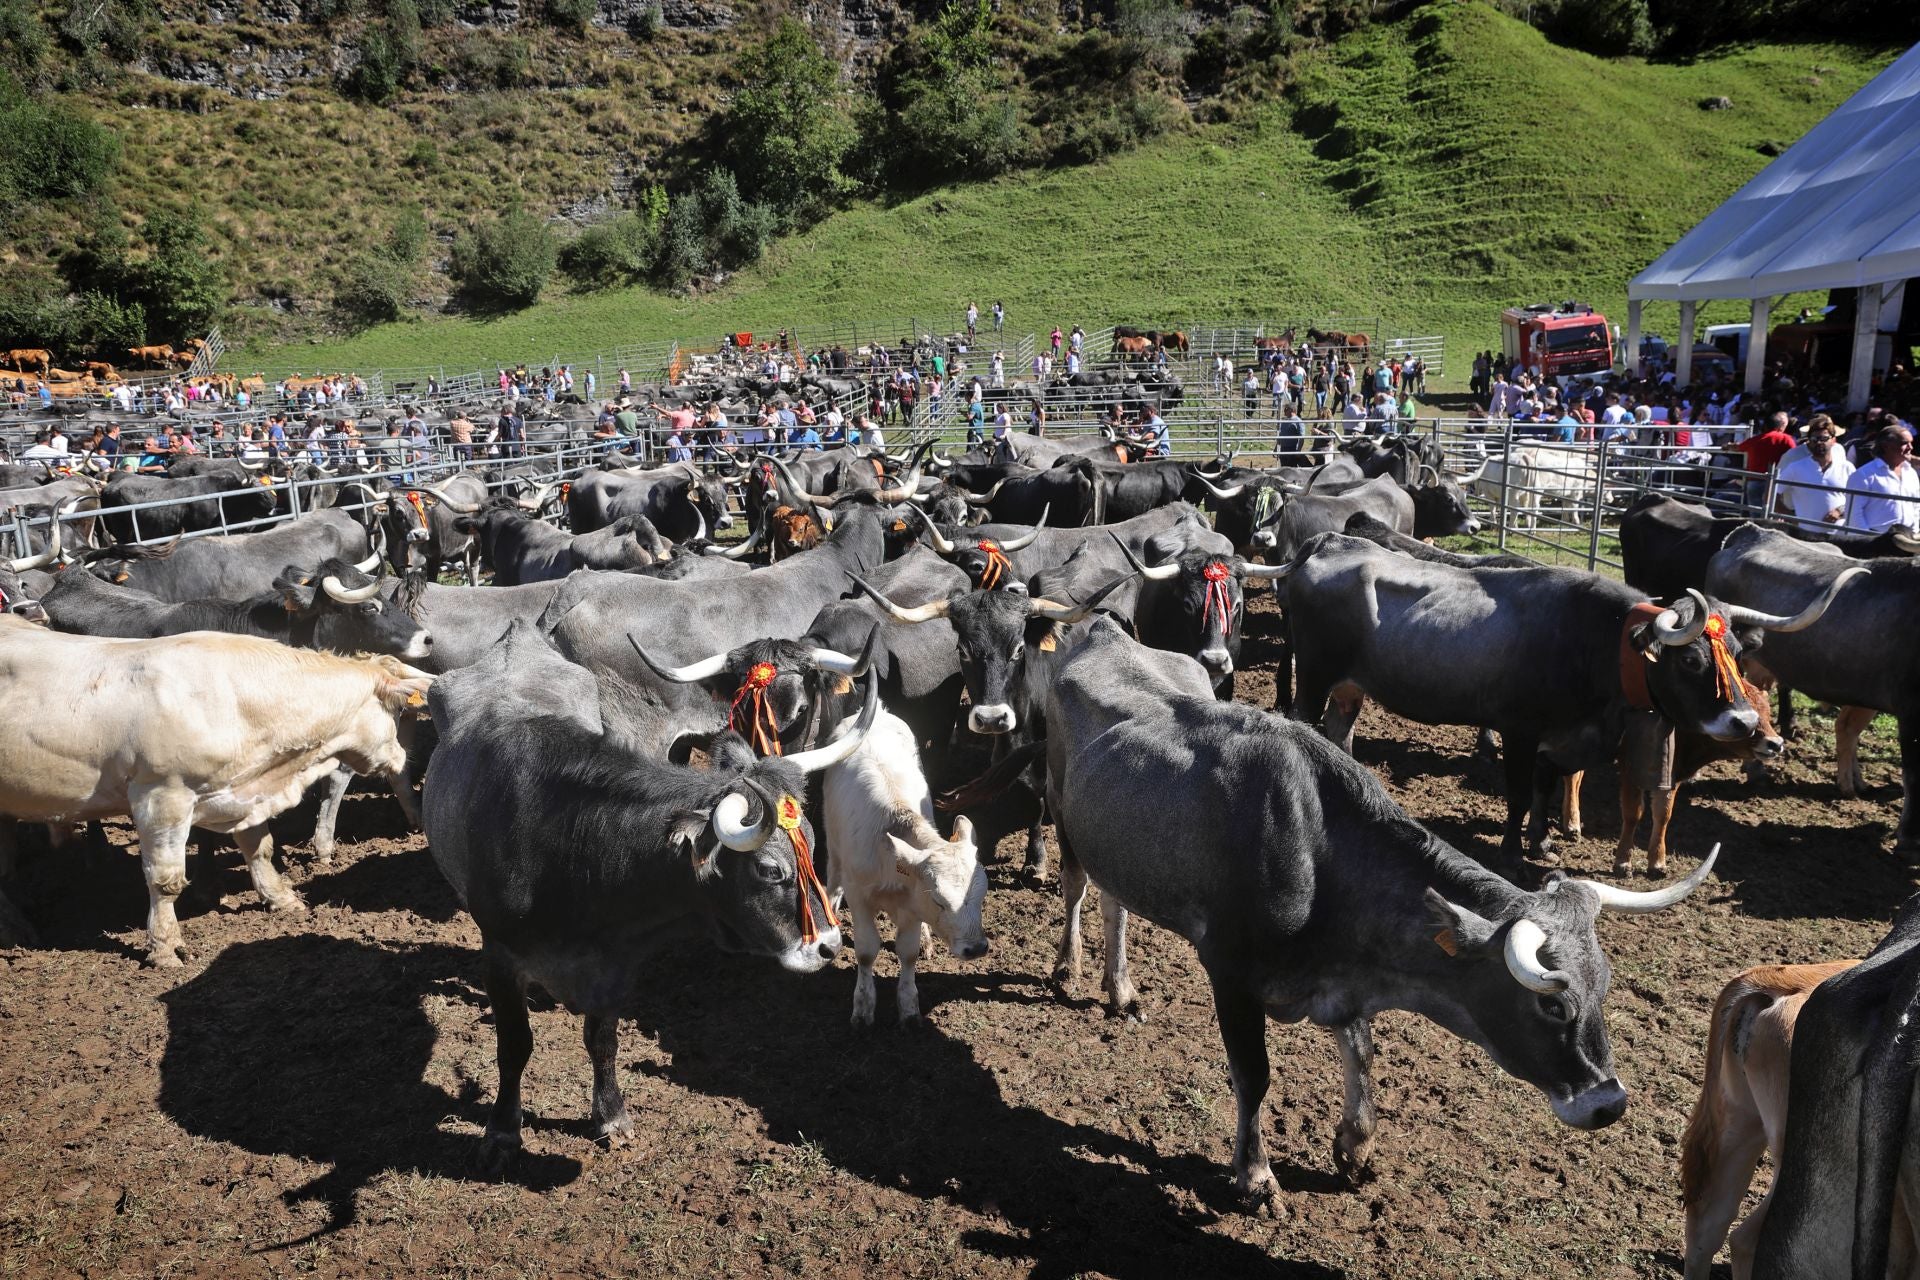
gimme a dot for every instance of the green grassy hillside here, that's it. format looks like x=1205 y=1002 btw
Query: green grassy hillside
x=1427 y=172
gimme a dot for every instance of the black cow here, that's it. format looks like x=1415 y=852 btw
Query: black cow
x=237 y=566
x=1841 y=1197
x=422 y=526
x=580 y=854
x=1308 y=894
x=678 y=500
x=1362 y=525
x=197 y=502
x=519 y=549
x=1557 y=661
x=1066 y=495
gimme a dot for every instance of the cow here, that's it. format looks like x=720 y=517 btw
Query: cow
x=1065 y=495
x=422 y=526
x=1313 y=513
x=158 y=356
x=1838 y=1206
x=1308 y=894
x=1441 y=645
x=678 y=500
x=889 y=857
x=1537 y=480
x=579 y=854
x=194 y=503
x=1742 y=1111
x=779 y=694
x=1692 y=752
x=235 y=566
x=30 y=359
x=520 y=549
x=1853 y=657
x=198 y=730
x=1362 y=525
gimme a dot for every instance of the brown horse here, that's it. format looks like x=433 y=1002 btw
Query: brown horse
x=1133 y=348
x=1174 y=340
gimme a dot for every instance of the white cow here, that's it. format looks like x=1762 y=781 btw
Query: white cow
x=1558 y=480
x=886 y=856
x=196 y=730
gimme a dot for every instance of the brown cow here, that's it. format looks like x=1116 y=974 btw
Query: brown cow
x=1692 y=752
x=102 y=370
x=1742 y=1110
x=1133 y=348
x=30 y=359
x=792 y=531
x=184 y=359
x=153 y=357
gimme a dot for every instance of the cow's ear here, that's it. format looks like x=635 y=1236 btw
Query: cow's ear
x=1456 y=929
x=297 y=592
x=684 y=835
x=907 y=860
x=1040 y=634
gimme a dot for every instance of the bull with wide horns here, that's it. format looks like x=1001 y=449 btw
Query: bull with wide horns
x=780 y=694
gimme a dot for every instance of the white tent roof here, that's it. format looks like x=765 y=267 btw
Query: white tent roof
x=1841 y=208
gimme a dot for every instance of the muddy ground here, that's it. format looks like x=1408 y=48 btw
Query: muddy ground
x=306 y=1095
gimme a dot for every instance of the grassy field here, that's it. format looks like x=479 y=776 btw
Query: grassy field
x=1427 y=172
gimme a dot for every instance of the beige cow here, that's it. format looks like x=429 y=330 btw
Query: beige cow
x=198 y=730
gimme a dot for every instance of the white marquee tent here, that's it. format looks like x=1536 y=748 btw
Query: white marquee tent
x=1840 y=209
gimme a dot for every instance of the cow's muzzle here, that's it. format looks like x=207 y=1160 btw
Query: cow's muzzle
x=1594 y=1107
x=1265 y=540
x=811 y=957
x=1218 y=662
x=992 y=718
x=1732 y=726
x=418 y=535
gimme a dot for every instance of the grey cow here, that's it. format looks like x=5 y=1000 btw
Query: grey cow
x=1308 y=894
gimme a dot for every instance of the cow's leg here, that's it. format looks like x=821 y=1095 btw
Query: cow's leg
x=1519 y=756
x=1485 y=746
x=1353 y=1140
x=866 y=947
x=1903 y=841
x=1546 y=780
x=14 y=929
x=472 y=554
x=1848 y=724
x=1122 y=1000
x=1570 y=803
x=1243 y=1029
x=326 y=821
x=1786 y=717
x=1629 y=821
x=909 y=936
x=163 y=816
x=1743 y=1242
x=1662 y=814
x=1073 y=891
x=512 y=1046
x=602 y=1037
x=1037 y=843
x=1727 y=1159
x=256 y=846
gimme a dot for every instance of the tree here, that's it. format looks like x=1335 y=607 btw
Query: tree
x=505 y=262
x=790 y=126
x=184 y=290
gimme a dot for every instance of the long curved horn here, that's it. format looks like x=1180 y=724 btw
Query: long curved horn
x=538 y=499
x=253 y=466
x=700 y=531
x=834 y=660
x=1524 y=940
x=1041 y=607
x=737 y=826
x=744 y=549
x=1426 y=467
x=52 y=552
x=1614 y=898
x=919 y=613
x=1021 y=544
x=701 y=670
x=982 y=499
x=349 y=595
x=847 y=743
x=1216 y=490
x=372 y=562
x=453 y=504
x=1268 y=571
x=940 y=541
x=1153 y=573
x=1667 y=625
x=907 y=488
x=1800 y=621
x=1906 y=540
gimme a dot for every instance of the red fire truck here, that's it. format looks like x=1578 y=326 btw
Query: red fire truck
x=1559 y=340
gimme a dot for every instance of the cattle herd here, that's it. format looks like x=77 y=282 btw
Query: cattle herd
x=633 y=733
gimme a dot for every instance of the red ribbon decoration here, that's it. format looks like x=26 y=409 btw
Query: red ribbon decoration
x=762 y=730
x=1216 y=573
x=1726 y=675
x=789 y=819
x=998 y=566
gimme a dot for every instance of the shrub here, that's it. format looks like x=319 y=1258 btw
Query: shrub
x=647 y=21
x=53 y=151
x=612 y=253
x=570 y=15
x=423 y=157
x=502 y=61
x=107 y=327
x=406 y=241
x=504 y=262
x=24 y=42
x=372 y=291
x=710 y=228
x=1600 y=26
x=790 y=125
x=376 y=77
x=183 y=289
x=435 y=13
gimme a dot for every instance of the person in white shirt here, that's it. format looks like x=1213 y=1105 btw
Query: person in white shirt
x=1809 y=487
x=1891 y=479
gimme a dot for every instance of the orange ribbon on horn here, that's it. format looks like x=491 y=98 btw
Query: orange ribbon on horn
x=998 y=566
x=762 y=730
x=808 y=879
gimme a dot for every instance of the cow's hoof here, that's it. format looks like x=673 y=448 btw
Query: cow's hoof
x=1125 y=1011
x=912 y=1022
x=1066 y=981
x=292 y=902
x=1353 y=1158
x=1623 y=867
x=1259 y=1195
x=1656 y=870
x=614 y=1131
x=170 y=956
x=496 y=1154
x=323 y=854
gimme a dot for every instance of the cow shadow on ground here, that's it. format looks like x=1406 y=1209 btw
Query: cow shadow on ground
x=918 y=1111
x=317 y=1048
x=387 y=880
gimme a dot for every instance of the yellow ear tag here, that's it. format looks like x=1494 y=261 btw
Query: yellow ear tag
x=1047 y=643
x=1447 y=942
x=415 y=700
x=789 y=815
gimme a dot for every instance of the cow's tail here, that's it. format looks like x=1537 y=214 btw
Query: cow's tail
x=990 y=784
x=131 y=551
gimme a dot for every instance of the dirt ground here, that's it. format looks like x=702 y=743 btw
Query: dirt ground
x=306 y=1095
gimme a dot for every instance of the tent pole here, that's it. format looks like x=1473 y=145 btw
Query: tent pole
x=1757 y=344
x=1866 y=332
x=1683 y=355
x=1631 y=357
